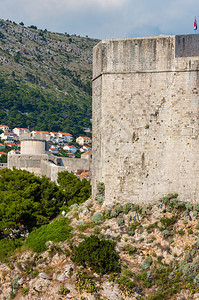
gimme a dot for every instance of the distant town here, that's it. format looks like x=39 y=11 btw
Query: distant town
x=60 y=143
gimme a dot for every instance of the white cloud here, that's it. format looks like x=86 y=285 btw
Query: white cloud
x=105 y=18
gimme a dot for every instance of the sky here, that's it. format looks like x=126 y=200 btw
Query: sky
x=104 y=19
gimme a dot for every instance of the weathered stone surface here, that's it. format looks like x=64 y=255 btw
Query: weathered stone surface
x=110 y=291
x=145 y=118
x=44 y=276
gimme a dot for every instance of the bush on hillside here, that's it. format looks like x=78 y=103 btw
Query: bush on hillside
x=96 y=254
x=58 y=231
x=8 y=246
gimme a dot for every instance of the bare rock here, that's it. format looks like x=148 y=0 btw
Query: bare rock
x=44 y=276
x=110 y=291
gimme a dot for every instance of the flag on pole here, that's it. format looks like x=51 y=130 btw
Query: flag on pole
x=195 y=24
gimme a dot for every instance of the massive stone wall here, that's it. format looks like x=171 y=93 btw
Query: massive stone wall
x=146 y=118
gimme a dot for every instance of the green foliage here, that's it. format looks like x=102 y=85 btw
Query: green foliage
x=57 y=231
x=75 y=190
x=99 y=198
x=129 y=249
x=27 y=104
x=27 y=200
x=97 y=218
x=120 y=221
x=114 y=213
x=127 y=208
x=8 y=246
x=166 y=233
x=63 y=290
x=3 y=159
x=24 y=290
x=167 y=222
x=101 y=188
x=85 y=282
x=135 y=225
x=118 y=208
x=131 y=232
x=147 y=263
x=188 y=257
x=125 y=285
x=96 y=254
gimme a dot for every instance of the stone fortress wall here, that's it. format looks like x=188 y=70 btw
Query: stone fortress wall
x=146 y=118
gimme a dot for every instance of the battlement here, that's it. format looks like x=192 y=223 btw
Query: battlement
x=152 y=54
x=146 y=118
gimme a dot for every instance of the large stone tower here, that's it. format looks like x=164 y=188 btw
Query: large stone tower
x=146 y=118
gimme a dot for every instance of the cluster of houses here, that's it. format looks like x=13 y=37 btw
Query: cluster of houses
x=58 y=141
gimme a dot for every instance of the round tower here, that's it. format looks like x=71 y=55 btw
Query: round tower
x=34 y=144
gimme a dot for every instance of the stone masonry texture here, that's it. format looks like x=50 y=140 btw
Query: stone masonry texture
x=146 y=118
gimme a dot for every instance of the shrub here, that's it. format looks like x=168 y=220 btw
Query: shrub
x=107 y=214
x=147 y=263
x=118 y=208
x=197 y=243
x=127 y=208
x=134 y=225
x=63 y=290
x=166 y=233
x=24 y=290
x=125 y=285
x=197 y=207
x=166 y=222
x=101 y=188
x=188 y=257
x=114 y=213
x=96 y=254
x=85 y=282
x=181 y=232
x=8 y=246
x=99 y=198
x=97 y=218
x=131 y=232
x=58 y=231
x=129 y=249
x=120 y=221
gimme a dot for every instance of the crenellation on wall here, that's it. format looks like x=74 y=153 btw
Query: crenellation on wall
x=145 y=118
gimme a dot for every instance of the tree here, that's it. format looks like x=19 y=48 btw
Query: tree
x=27 y=200
x=76 y=190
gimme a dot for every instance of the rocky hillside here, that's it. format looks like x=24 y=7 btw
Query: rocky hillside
x=45 y=78
x=155 y=255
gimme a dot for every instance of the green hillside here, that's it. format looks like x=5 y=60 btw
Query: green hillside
x=45 y=79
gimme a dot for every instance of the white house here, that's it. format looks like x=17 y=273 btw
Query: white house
x=8 y=136
x=54 y=137
x=85 y=148
x=18 y=131
x=69 y=148
x=82 y=140
x=66 y=137
x=5 y=128
x=54 y=150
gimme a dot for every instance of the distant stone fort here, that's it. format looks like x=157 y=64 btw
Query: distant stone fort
x=35 y=157
x=146 y=118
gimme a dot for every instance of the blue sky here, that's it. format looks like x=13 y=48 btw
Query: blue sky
x=105 y=18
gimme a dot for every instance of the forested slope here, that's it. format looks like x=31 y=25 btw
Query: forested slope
x=45 y=79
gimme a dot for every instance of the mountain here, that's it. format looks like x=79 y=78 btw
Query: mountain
x=45 y=78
